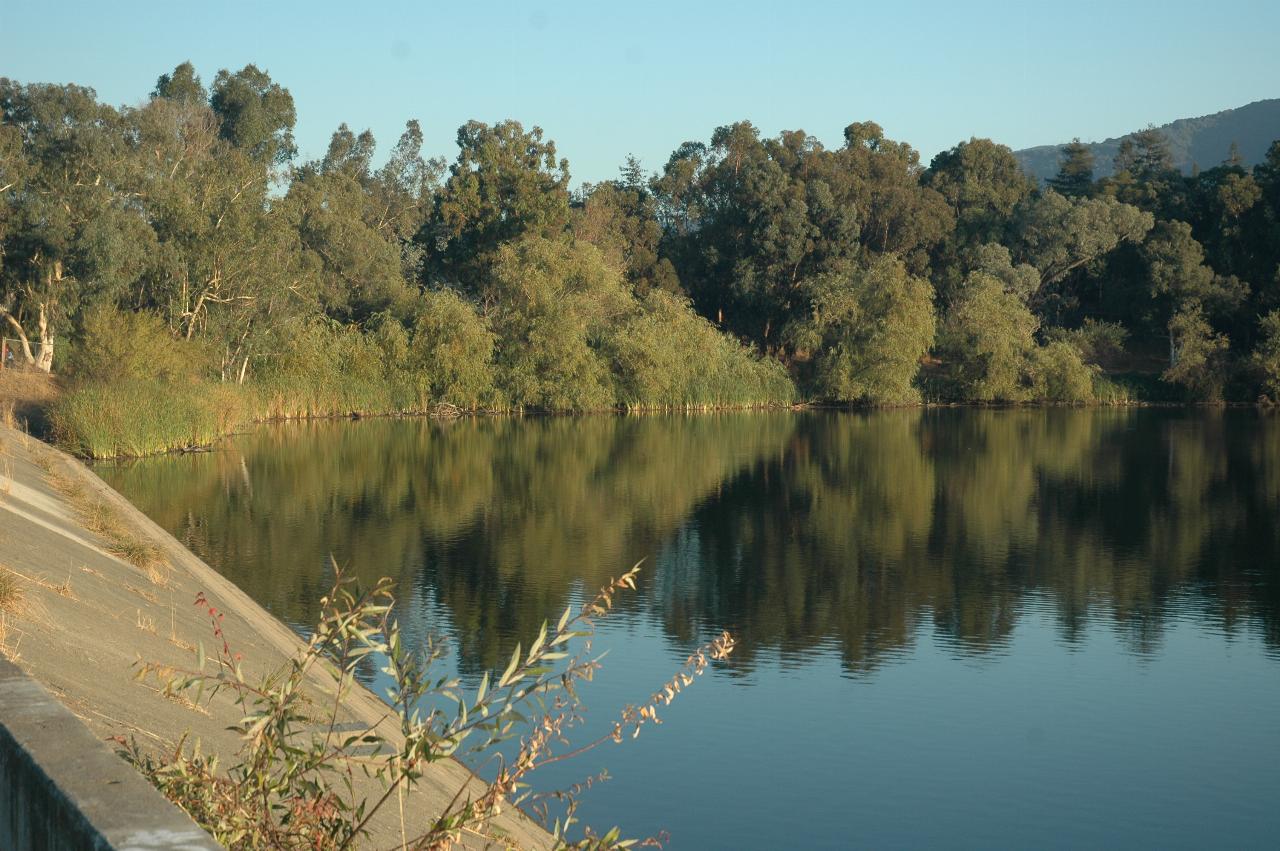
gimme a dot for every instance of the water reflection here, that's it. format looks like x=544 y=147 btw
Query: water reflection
x=1021 y=628
x=792 y=531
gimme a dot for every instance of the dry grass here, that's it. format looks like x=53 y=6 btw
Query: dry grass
x=173 y=632
x=62 y=589
x=10 y=591
x=105 y=521
x=141 y=592
x=25 y=396
x=12 y=602
x=8 y=649
x=146 y=623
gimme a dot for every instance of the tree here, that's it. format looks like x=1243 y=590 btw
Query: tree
x=551 y=302
x=1059 y=235
x=1020 y=279
x=748 y=239
x=228 y=262
x=346 y=231
x=72 y=231
x=983 y=183
x=181 y=85
x=1058 y=373
x=621 y=221
x=1075 y=175
x=452 y=351
x=867 y=330
x=1145 y=176
x=748 y=220
x=1186 y=291
x=505 y=184
x=256 y=114
x=1178 y=273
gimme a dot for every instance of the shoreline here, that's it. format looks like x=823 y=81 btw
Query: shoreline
x=702 y=410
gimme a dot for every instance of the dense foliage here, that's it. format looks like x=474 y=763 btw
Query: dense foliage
x=176 y=245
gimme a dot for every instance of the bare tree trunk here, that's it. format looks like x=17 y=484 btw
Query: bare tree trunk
x=22 y=336
x=45 y=362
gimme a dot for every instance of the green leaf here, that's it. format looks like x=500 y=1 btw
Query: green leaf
x=511 y=668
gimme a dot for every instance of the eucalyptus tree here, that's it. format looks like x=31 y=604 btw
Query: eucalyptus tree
x=255 y=113
x=73 y=228
x=229 y=267
x=748 y=220
x=620 y=218
x=354 y=224
x=505 y=184
x=983 y=183
x=1060 y=235
x=183 y=84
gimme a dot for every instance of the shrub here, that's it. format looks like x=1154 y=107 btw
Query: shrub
x=870 y=330
x=325 y=369
x=290 y=786
x=1096 y=341
x=116 y=345
x=1059 y=375
x=666 y=356
x=985 y=343
x=451 y=353
x=1199 y=362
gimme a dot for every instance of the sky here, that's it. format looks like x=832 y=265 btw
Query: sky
x=605 y=80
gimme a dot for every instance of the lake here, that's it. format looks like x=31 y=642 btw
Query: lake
x=958 y=628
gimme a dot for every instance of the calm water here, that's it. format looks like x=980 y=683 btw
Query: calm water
x=1052 y=628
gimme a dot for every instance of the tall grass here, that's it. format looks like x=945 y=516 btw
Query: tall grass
x=138 y=417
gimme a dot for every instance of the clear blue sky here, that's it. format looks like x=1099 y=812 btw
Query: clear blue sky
x=607 y=79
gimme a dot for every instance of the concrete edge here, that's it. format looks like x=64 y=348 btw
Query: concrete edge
x=62 y=788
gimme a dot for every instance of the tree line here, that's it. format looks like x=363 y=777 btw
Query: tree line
x=181 y=241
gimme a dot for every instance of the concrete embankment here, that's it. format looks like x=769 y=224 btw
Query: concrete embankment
x=99 y=587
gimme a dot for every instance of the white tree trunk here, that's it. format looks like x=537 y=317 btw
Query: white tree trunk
x=22 y=337
x=45 y=362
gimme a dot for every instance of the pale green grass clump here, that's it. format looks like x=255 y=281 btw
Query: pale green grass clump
x=134 y=417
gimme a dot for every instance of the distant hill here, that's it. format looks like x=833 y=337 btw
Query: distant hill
x=1202 y=141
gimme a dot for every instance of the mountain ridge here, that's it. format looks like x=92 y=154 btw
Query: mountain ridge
x=1203 y=141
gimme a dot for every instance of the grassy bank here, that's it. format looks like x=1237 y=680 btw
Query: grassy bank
x=130 y=416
